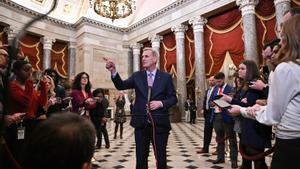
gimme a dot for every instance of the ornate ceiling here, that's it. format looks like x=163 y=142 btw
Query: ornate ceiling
x=72 y=10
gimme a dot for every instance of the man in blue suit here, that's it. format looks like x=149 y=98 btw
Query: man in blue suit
x=154 y=92
x=223 y=123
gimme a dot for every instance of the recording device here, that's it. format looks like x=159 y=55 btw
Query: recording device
x=250 y=83
x=222 y=104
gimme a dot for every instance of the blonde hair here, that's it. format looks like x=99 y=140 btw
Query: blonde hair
x=51 y=92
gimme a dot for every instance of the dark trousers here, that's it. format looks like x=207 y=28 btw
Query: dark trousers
x=258 y=164
x=121 y=129
x=192 y=117
x=143 y=136
x=286 y=154
x=102 y=130
x=208 y=129
x=223 y=130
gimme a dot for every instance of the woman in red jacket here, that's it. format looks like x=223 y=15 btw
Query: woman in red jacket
x=23 y=98
x=82 y=96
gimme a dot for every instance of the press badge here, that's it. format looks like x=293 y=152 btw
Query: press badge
x=21 y=132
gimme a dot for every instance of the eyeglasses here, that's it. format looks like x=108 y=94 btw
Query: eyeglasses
x=84 y=77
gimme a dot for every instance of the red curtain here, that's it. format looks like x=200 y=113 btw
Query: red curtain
x=33 y=50
x=59 y=58
x=223 y=34
x=168 y=53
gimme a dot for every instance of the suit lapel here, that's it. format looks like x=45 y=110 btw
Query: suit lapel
x=145 y=83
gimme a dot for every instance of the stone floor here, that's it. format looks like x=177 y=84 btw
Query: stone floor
x=185 y=139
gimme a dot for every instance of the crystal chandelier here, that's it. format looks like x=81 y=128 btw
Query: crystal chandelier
x=114 y=9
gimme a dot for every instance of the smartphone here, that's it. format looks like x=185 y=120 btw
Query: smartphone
x=218 y=97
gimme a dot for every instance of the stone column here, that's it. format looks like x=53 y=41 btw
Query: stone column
x=47 y=46
x=281 y=7
x=155 y=42
x=200 y=77
x=11 y=32
x=179 y=31
x=250 y=40
x=136 y=49
x=71 y=59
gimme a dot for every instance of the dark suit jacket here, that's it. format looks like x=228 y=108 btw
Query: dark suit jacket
x=206 y=111
x=226 y=90
x=162 y=90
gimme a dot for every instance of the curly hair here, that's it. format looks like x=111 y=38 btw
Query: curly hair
x=77 y=84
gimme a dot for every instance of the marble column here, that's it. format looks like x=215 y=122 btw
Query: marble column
x=155 y=42
x=71 y=59
x=200 y=77
x=11 y=32
x=250 y=40
x=281 y=7
x=179 y=31
x=136 y=50
x=47 y=46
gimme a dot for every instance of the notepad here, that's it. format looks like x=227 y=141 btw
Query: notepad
x=221 y=103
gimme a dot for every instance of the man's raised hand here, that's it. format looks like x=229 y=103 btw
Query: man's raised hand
x=110 y=65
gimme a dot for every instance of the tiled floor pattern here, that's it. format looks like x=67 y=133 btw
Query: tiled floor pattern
x=185 y=139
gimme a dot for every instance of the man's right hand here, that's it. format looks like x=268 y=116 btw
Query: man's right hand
x=110 y=65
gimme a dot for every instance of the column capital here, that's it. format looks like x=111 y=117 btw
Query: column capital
x=281 y=1
x=179 y=31
x=136 y=48
x=11 y=32
x=247 y=6
x=47 y=42
x=198 y=23
x=155 y=40
x=72 y=45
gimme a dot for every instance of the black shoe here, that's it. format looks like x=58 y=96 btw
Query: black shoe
x=218 y=161
x=234 y=164
x=107 y=146
x=202 y=151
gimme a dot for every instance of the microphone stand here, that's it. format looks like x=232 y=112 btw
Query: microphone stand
x=151 y=121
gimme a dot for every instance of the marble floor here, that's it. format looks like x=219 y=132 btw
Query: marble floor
x=185 y=139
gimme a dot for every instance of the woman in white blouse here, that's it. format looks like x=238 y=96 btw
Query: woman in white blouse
x=283 y=105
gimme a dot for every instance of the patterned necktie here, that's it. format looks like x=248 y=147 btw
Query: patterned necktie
x=150 y=79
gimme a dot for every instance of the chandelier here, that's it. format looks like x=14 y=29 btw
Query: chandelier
x=114 y=9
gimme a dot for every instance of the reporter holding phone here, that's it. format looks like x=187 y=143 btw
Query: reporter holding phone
x=223 y=123
x=99 y=117
x=255 y=137
x=22 y=97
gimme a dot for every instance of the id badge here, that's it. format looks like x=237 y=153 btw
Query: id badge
x=21 y=133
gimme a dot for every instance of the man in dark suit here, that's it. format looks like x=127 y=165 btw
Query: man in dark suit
x=155 y=125
x=208 y=125
x=223 y=123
